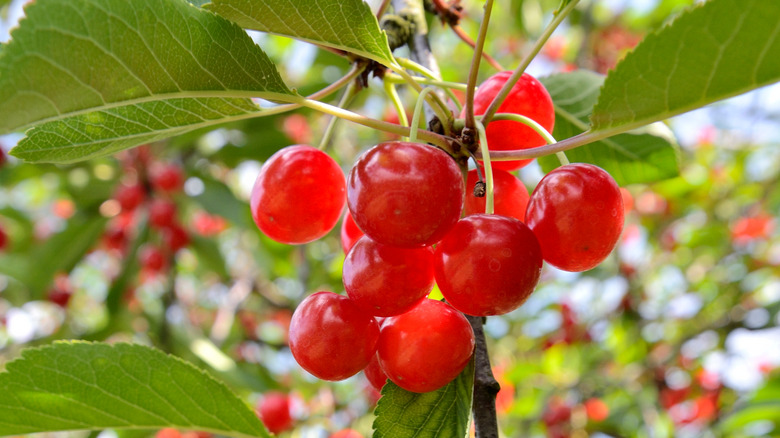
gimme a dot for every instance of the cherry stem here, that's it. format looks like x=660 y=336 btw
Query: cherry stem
x=433 y=79
x=467 y=39
x=504 y=92
x=485 y=385
x=424 y=135
x=489 y=208
x=382 y=8
x=531 y=123
x=437 y=105
x=562 y=158
x=428 y=81
x=416 y=116
x=474 y=71
x=346 y=98
x=527 y=121
x=392 y=93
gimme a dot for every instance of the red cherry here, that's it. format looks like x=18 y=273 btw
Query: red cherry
x=596 y=409
x=59 y=297
x=115 y=238
x=386 y=280
x=331 y=337
x=750 y=228
x=510 y=197
x=61 y=292
x=350 y=233
x=166 y=177
x=347 y=433
x=151 y=258
x=375 y=374
x=425 y=348
x=296 y=127
x=405 y=194
x=576 y=212
x=168 y=432
x=162 y=213
x=557 y=412
x=298 y=196
x=3 y=239
x=208 y=225
x=487 y=264
x=528 y=98
x=130 y=196
x=274 y=411
x=175 y=237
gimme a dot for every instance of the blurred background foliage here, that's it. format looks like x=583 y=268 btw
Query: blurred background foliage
x=674 y=335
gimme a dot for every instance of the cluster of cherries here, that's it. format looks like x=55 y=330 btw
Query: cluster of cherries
x=407 y=200
x=162 y=183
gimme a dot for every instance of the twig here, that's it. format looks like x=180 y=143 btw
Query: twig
x=474 y=71
x=485 y=385
x=467 y=39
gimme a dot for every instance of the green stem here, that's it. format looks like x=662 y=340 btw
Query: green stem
x=438 y=106
x=527 y=121
x=422 y=135
x=504 y=92
x=562 y=158
x=427 y=81
x=347 y=97
x=489 y=209
x=475 y=61
x=416 y=116
x=392 y=93
x=433 y=79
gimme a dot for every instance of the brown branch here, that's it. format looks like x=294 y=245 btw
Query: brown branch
x=485 y=385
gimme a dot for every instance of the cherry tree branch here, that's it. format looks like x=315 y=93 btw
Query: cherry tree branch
x=485 y=385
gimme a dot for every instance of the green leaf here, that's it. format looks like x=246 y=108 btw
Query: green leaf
x=87 y=58
x=106 y=132
x=341 y=24
x=641 y=156
x=441 y=413
x=763 y=405
x=716 y=50
x=81 y=385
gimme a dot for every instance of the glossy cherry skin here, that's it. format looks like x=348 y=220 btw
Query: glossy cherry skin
x=274 y=412
x=152 y=258
x=405 y=194
x=175 y=237
x=387 y=280
x=166 y=177
x=375 y=374
x=162 y=213
x=576 y=212
x=331 y=337
x=488 y=264
x=298 y=196
x=350 y=233
x=130 y=196
x=510 y=197
x=529 y=98
x=425 y=348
